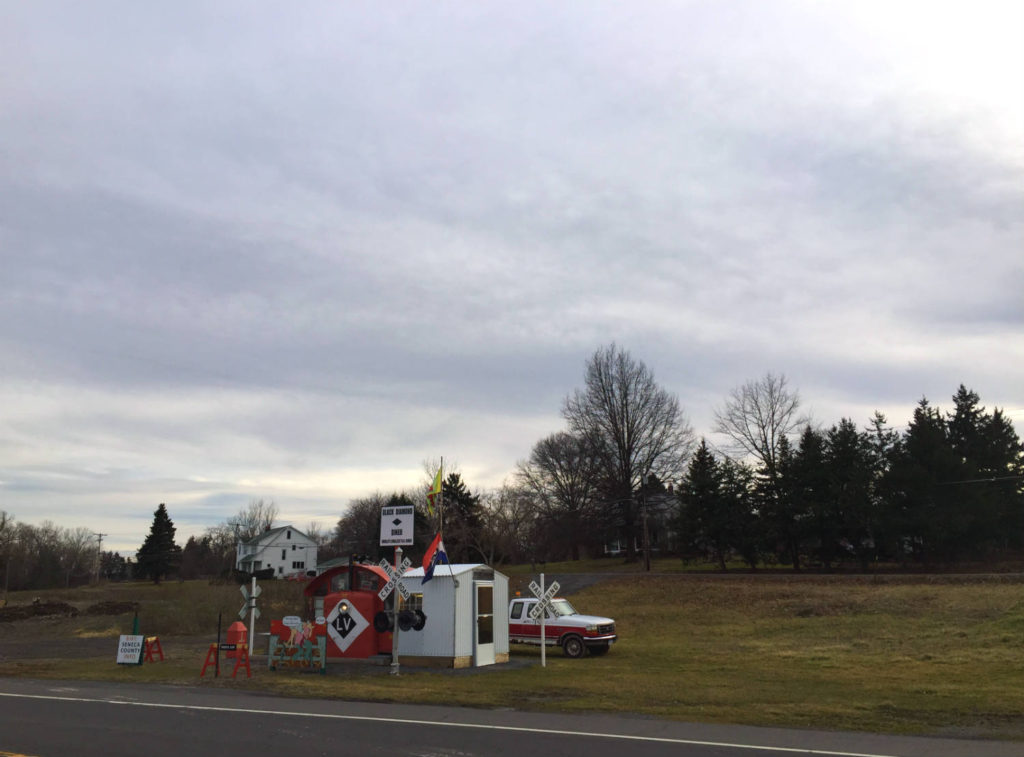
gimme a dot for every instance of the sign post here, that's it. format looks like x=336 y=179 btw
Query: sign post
x=394 y=576
x=250 y=607
x=539 y=611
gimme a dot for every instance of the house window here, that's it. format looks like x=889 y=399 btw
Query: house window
x=293 y=547
x=283 y=553
x=280 y=570
x=288 y=535
x=297 y=565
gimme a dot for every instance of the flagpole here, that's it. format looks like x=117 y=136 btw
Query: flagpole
x=440 y=529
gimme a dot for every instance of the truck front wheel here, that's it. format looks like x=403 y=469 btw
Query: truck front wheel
x=572 y=646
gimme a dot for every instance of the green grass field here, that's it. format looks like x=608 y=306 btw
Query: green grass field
x=935 y=655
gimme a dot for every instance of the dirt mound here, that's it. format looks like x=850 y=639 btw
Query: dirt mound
x=37 y=608
x=111 y=608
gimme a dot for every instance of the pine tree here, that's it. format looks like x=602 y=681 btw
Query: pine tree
x=851 y=472
x=159 y=555
x=700 y=515
x=925 y=465
x=462 y=519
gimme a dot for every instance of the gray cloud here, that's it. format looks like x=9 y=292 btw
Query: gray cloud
x=250 y=251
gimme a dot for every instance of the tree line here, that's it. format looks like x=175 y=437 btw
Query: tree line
x=781 y=490
x=45 y=556
x=627 y=476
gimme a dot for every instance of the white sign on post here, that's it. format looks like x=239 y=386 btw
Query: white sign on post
x=129 y=649
x=396 y=526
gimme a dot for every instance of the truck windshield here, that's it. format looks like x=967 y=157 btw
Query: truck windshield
x=562 y=607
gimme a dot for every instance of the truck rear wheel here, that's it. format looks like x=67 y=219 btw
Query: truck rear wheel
x=572 y=646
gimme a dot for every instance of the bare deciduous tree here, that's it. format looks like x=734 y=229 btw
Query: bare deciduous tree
x=563 y=476
x=757 y=415
x=637 y=427
x=358 y=530
x=251 y=521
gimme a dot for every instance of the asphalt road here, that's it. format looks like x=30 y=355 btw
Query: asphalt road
x=91 y=719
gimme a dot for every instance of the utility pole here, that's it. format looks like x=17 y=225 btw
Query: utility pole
x=647 y=539
x=99 y=554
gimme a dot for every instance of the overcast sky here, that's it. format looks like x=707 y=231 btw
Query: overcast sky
x=292 y=251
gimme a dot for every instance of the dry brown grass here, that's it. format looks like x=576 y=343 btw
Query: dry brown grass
x=935 y=655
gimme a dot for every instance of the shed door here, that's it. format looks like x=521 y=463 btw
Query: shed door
x=483 y=647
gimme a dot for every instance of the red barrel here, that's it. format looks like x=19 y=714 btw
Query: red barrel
x=237 y=634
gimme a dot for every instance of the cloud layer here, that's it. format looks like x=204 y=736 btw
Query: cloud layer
x=250 y=251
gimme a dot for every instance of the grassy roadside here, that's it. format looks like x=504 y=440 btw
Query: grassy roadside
x=913 y=655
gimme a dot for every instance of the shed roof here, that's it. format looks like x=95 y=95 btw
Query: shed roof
x=442 y=571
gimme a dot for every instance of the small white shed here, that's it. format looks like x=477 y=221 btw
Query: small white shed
x=466 y=609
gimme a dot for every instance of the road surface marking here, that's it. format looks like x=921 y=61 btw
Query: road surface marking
x=447 y=724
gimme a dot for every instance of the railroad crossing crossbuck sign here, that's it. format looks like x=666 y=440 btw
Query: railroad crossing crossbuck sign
x=544 y=599
x=250 y=602
x=393 y=576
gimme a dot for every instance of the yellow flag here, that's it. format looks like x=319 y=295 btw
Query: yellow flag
x=434 y=491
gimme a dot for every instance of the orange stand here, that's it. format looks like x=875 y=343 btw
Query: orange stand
x=243 y=654
x=241 y=660
x=153 y=647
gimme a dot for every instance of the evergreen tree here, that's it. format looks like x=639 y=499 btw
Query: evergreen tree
x=883 y=443
x=931 y=525
x=159 y=555
x=700 y=517
x=988 y=457
x=851 y=474
x=779 y=502
x=815 y=508
x=737 y=497
x=462 y=519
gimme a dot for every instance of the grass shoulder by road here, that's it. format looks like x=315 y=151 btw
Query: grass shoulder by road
x=910 y=654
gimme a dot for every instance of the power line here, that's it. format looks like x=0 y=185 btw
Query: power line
x=981 y=480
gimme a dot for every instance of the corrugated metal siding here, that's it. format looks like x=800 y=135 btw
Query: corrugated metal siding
x=435 y=640
x=442 y=604
x=465 y=611
x=500 y=613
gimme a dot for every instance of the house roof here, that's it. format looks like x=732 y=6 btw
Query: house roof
x=273 y=532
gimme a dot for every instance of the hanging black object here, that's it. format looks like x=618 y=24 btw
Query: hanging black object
x=421 y=620
x=382 y=622
x=406 y=619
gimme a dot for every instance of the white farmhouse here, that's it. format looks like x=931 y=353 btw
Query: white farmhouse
x=286 y=549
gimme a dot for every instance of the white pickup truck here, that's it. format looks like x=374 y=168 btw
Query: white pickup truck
x=563 y=626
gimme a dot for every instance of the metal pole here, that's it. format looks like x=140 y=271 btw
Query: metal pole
x=252 y=614
x=647 y=539
x=396 y=596
x=543 y=640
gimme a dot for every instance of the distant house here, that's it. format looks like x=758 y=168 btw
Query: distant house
x=286 y=549
x=660 y=508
